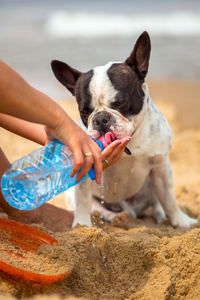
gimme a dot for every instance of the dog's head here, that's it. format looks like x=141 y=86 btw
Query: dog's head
x=111 y=98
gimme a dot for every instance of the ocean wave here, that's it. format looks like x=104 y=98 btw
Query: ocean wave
x=64 y=24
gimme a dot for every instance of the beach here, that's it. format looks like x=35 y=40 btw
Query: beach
x=144 y=260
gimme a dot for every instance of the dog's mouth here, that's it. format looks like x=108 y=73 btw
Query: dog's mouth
x=108 y=138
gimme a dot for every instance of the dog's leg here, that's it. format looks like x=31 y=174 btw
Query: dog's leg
x=108 y=215
x=137 y=204
x=83 y=203
x=157 y=211
x=162 y=180
x=70 y=198
x=118 y=219
x=126 y=206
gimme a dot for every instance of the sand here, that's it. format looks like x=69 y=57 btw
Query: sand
x=145 y=261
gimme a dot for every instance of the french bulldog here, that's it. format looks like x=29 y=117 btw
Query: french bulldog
x=115 y=98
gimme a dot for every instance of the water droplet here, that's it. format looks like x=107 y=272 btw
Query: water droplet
x=101 y=186
x=104 y=257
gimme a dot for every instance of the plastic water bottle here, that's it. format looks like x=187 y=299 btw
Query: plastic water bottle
x=34 y=179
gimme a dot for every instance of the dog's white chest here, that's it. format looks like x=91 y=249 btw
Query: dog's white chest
x=122 y=180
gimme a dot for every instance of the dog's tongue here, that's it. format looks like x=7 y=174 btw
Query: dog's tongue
x=107 y=139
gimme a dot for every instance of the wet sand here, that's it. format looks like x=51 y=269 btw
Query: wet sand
x=147 y=261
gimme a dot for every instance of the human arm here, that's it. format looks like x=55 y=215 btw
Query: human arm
x=32 y=131
x=18 y=99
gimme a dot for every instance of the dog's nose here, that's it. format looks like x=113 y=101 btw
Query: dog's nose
x=101 y=120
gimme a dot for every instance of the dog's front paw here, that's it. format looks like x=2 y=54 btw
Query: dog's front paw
x=181 y=220
x=121 y=220
x=82 y=221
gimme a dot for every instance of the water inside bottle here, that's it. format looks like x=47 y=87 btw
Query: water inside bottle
x=30 y=190
x=33 y=180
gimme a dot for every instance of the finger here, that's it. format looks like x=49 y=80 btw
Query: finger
x=114 y=157
x=113 y=154
x=83 y=161
x=84 y=157
x=88 y=162
x=108 y=150
x=97 y=166
x=78 y=161
x=115 y=147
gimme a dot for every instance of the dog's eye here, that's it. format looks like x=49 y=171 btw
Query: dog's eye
x=119 y=102
x=84 y=111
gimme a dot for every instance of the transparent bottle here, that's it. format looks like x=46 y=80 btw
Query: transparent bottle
x=34 y=179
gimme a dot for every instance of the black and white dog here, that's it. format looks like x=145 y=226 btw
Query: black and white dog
x=115 y=98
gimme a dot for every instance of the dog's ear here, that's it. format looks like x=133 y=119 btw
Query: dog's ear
x=138 y=60
x=65 y=74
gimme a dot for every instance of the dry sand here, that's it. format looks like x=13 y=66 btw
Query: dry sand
x=147 y=261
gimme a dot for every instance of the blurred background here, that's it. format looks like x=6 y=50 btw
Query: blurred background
x=90 y=33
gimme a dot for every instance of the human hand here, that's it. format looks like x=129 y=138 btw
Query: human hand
x=70 y=134
x=113 y=152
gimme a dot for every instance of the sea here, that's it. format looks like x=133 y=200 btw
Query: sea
x=89 y=33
